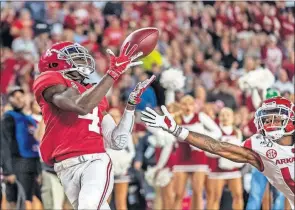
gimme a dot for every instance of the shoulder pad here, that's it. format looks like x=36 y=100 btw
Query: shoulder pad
x=45 y=80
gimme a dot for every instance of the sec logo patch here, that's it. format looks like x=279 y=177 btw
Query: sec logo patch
x=271 y=154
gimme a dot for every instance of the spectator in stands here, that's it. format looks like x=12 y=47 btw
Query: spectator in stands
x=19 y=149
x=272 y=55
x=283 y=84
x=25 y=44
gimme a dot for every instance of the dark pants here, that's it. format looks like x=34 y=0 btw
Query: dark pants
x=26 y=171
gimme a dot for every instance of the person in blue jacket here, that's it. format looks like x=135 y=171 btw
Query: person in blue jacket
x=19 y=149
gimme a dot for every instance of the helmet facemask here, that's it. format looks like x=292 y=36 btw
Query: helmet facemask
x=272 y=121
x=78 y=57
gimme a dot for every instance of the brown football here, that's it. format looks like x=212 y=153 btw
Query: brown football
x=145 y=38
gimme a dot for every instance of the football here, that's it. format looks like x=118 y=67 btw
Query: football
x=145 y=38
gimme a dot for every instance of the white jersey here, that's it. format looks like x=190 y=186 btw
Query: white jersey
x=276 y=163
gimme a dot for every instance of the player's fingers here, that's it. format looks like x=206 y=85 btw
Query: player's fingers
x=110 y=52
x=132 y=50
x=138 y=86
x=147 y=120
x=147 y=82
x=152 y=125
x=149 y=110
x=137 y=55
x=125 y=48
x=135 y=64
x=165 y=111
x=148 y=115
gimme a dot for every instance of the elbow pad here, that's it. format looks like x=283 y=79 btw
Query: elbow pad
x=117 y=136
x=114 y=138
x=122 y=132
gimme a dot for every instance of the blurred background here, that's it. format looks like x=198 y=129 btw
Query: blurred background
x=224 y=54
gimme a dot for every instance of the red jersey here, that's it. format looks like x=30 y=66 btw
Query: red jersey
x=67 y=134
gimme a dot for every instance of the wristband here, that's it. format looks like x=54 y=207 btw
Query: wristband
x=181 y=133
x=113 y=74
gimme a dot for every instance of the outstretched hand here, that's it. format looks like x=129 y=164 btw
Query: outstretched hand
x=134 y=97
x=153 y=119
x=118 y=65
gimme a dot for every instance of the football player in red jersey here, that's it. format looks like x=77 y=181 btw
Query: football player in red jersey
x=271 y=151
x=77 y=125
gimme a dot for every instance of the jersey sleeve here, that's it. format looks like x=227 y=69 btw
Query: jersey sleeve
x=46 y=80
x=104 y=104
x=247 y=144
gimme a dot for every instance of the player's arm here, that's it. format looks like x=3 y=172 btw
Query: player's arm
x=227 y=150
x=116 y=136
x=204 y=142
x=69 y=99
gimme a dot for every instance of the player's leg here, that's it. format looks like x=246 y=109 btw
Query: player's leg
x=236 y=188
x=258 y=184
x=198 y=185
x=168 y=195
x=121 y=192
x=70 y=180
x=96 y=183
x=278 y=199
x=214 y=193
x=180 y=186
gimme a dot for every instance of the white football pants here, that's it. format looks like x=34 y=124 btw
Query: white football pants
x=87 y=180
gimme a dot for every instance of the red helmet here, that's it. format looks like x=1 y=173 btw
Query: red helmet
x=275 y=118
x=63 y=56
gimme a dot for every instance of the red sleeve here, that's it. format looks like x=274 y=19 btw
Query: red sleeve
x=46 y=80
x=104 y=104
x=247 y=144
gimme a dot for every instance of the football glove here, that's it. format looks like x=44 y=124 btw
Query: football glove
x=134 y=97
x=118 y=65
x=166 y=122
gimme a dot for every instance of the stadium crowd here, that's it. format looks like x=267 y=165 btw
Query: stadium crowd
x=230 y=54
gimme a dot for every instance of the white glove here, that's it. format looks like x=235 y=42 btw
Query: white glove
x=134 y=97
x=166 y=122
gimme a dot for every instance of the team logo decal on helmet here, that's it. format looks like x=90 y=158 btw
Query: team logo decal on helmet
x=67 y=57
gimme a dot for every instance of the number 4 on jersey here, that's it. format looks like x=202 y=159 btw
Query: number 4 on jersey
x=95 y=120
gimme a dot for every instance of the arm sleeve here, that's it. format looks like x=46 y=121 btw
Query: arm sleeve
x=164 y=156
x=108 y=125
x=116 y=136
x=212 y=128
x=130 y=146
x=6 y=139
